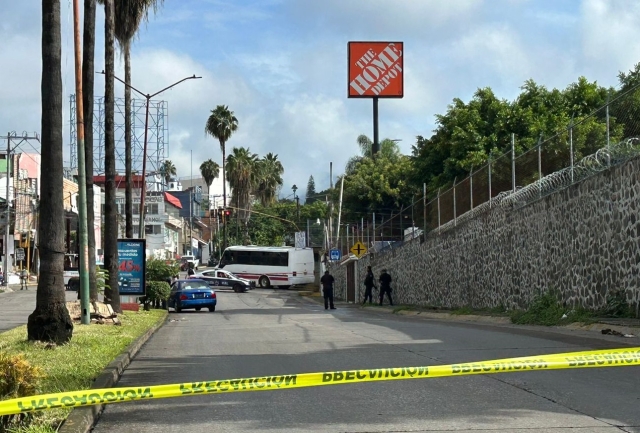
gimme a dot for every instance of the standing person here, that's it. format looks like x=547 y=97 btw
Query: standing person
x=190 y=272
x=369 y=284
x=24 y=278
x=327 y=289
x=385 y=286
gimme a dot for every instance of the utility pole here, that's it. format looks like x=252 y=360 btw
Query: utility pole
x=9 y=137
x=83 y=235
x=148 y=97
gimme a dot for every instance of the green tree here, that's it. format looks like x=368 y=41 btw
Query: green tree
x=209 y=170
x=128 y=16
x=50 y=320
x=242 y=172
x=269 y=179
x=112 y=295
x=221 y=124
x=311 y=191
x=167 y=170
x=388 y=149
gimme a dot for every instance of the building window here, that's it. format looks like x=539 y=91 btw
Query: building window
x=151 y=209
x=153 y=229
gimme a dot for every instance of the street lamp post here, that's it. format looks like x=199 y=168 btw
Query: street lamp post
x=295 y=196
x=144 y=151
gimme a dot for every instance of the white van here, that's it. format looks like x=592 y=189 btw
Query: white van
x=270 y=266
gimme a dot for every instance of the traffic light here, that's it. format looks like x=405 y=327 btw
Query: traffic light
x=227 y=213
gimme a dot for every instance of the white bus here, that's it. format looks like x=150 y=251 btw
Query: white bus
x=270 y=266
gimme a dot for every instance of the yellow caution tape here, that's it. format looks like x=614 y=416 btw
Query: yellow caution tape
x=589 y=359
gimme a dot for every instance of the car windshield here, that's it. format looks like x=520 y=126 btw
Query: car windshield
x=194 y=286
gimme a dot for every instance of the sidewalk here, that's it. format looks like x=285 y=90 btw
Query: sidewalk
x=15 y=306
x=593 y=330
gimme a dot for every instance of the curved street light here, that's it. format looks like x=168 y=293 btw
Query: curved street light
x=148 y=97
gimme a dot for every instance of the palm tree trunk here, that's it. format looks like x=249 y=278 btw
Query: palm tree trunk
x=88 y=47
x=111 y=293
x=224 y=195
x=50 y=320
x=210 y=227
x=127 y=145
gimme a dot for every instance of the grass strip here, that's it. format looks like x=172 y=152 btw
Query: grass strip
x=75 y=365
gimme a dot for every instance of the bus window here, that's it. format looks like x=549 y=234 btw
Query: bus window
x=243 y=257
x=283 y=259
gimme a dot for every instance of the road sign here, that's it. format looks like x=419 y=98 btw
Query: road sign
x=19 y=253
x=358 y=249
x=335 y=255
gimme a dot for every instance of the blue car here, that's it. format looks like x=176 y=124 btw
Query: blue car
x=192 y=294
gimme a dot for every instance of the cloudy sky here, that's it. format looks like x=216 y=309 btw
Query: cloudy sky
x=280 y=65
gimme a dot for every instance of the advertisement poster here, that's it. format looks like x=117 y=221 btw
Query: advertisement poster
x=376 y=69
x=131 y=270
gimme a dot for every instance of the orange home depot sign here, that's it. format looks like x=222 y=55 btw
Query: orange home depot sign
x=376 y=69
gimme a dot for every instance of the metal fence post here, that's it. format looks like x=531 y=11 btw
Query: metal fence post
x=471 y=186
x=540 y=165
x=490 y=198
x=374 y=231
x=571 y=146
x=608 y=136
x=438 y=210
x=424 y=208
x=455 y=216
x=513 y=162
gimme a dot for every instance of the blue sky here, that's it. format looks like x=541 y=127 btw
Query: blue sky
x=281 y=66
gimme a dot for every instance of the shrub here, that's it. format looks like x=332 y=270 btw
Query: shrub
x=617 y=305
x=159 y=270
x=18 y=378
x=544 y=310
x=157 y=292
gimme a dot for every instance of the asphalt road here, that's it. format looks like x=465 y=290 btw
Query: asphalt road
x=268 y=332
x=16 y=306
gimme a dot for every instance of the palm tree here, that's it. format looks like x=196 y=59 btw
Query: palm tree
x=209 y=170
x=50 y=320
x=269 y=179
x=167 y=169
x=242 y=172
x=388 y=149
x=128 y=16
x=221 y=124
x=88 y=54
x=111 y=293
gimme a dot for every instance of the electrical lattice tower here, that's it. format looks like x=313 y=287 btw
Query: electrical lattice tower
x=157 y=139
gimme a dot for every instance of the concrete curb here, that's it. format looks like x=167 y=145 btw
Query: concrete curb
x=82 y=419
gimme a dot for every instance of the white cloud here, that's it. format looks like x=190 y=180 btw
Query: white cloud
x=609 y=34
x=281 y=67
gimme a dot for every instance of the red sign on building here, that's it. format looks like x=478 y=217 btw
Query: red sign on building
x=376 y=70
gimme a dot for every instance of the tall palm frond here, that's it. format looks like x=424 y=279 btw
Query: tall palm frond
x=269 y=179
x=242 y=172
x=167 y=170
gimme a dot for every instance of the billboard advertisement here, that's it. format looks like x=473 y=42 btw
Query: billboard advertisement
x=375 y=69
x=132 y=267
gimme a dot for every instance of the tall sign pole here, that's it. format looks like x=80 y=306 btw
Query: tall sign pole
x=375 y=70
x=83 y=234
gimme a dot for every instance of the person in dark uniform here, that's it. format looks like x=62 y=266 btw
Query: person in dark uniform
x=369 y=284
x=327 y=289
x=385 y=286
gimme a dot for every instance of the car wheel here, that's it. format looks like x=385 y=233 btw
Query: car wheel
x=238 y=288
x=212 y=309
x=264 y=281
x=198 y=308
x=177 y=308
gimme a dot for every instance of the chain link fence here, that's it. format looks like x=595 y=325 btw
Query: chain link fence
x=608 y=136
